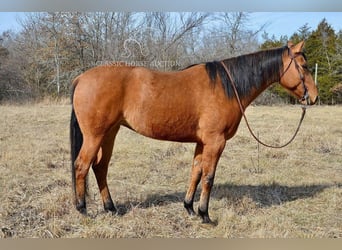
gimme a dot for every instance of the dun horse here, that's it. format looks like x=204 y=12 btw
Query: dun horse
x=197 y=104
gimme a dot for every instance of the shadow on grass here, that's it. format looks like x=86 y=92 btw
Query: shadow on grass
x=262 y=195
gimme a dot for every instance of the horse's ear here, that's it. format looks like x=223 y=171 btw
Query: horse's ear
x=289 y=44
x=298 y=47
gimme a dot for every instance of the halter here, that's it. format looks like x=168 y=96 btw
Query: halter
x=304 y=98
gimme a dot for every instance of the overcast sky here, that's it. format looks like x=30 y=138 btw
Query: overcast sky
x=277 y=23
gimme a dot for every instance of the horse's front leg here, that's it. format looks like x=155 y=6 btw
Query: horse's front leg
x=212 y=151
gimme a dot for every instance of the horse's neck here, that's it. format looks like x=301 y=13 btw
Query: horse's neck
x=258 y=80
x=247 y=100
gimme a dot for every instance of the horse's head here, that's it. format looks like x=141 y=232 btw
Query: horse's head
x=296 y=77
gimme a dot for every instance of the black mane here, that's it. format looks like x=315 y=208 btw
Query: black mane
x=248 y=71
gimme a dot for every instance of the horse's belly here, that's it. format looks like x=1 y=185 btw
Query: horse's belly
x=174 y=131
x=164 y=126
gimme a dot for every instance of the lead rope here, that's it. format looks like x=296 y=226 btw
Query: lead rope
x=245 y=118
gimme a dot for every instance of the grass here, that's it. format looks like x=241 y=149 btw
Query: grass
x=293 y=192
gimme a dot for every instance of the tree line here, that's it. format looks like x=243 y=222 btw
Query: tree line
x=52 y=48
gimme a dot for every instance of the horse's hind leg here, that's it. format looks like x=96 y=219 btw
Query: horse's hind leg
x=196 y=173
x=85 y=158
x=100 y=168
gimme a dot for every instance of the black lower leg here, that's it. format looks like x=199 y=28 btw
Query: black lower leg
x=109 y=206
x=81 y=206
x=204 y=215
x=189 y=206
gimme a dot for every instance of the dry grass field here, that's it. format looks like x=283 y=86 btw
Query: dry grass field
x=295 y=192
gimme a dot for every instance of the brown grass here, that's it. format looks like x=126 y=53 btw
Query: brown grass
x=266 y=193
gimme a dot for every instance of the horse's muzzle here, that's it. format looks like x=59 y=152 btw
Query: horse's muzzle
x=315 y=100
x=308 y=100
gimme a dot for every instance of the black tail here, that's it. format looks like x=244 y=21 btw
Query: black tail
x=76 y=140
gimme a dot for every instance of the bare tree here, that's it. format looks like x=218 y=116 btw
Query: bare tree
x=12 y=85
x=228 y=35
x=169 y=34
x=57 y=46
x=54 y=23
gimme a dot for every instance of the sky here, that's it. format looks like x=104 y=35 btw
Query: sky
x=8 y=20
x=287 y=23
x=277 y=23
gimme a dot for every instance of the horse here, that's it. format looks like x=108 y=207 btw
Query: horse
x=193 y=105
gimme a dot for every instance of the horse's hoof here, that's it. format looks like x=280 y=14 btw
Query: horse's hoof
x=189 y=208
x=82 y=210
x=81 y=207
x=205 y=218
x=109 y=207
x=112 y=210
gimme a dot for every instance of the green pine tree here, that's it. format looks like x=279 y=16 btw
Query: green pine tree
x=321 y=49
x=324 y=47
